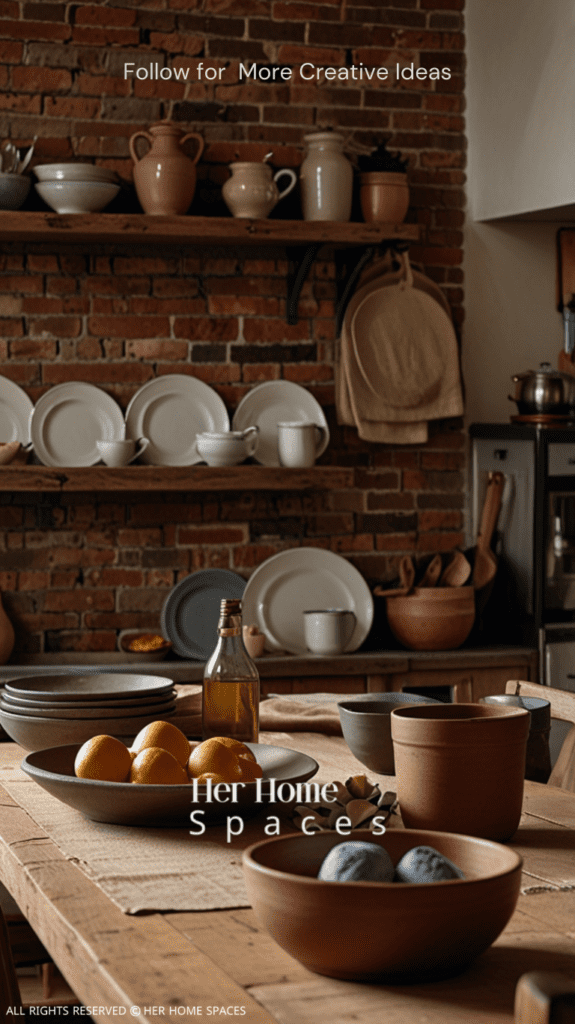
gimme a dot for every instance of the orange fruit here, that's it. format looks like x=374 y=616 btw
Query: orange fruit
x=215 y=757
x=104 y=758
x=202 y=779
x=250 y=769
x=156 y=767
x=239 y=748
x=167 y=737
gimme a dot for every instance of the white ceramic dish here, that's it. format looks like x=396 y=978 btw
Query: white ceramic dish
x=170 y=411
x=74 y=172
x=227 y=449
x=274 y=402
x=14 y=189
x=291 y=582
x=77 y=196
x=69 y=419
x=15 y=412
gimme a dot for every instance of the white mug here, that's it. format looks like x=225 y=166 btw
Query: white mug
x=299 y=444
x=120 y=453
x=328 y=630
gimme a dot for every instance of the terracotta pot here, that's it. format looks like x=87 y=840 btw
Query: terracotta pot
x=165 y=178
x=432 y=618
x=460 y=767
x=7 y=637
x=384 y=196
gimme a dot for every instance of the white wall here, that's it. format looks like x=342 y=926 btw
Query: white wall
x=521 y=105
x=521 y=131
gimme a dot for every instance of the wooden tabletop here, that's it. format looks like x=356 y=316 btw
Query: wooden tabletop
x=182 y=965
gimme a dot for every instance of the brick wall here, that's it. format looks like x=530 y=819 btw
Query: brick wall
x=76 y=569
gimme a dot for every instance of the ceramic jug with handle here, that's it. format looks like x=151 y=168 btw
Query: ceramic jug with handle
x=165 y=178
x=252 y=192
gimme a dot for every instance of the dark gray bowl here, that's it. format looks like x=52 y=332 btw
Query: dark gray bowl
x=124 y=803
x=366 y=726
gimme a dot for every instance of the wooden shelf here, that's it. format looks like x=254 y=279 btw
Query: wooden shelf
x=31 y=226
x=173 y=478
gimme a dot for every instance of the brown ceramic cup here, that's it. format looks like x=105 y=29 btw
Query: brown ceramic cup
x=460 y=767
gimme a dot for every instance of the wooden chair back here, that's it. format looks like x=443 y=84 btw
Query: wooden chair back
x=9 y=990
x=562 y=708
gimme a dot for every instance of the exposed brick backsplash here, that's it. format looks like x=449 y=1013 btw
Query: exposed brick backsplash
x=76 y=569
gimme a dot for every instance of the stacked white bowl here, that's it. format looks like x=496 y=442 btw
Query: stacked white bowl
x=76 y=187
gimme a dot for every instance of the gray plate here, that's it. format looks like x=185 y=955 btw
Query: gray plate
x=87 y=711
x=89 y=687
x=135 y=704
x=191 y=610
x=40 y=733
x=123 y=803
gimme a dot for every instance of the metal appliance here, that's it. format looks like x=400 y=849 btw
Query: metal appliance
x=536 y=537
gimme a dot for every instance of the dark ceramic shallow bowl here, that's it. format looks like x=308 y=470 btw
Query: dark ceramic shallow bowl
x=366 y=726
x=123 y=803
x=382 y=931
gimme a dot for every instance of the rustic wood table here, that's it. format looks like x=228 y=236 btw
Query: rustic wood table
x=222 y=964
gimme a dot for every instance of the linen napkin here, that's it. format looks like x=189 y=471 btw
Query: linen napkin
x=277 y=714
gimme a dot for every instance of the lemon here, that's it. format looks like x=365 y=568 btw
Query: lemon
x=156 y=767
x=104 y=758
x=167 y=737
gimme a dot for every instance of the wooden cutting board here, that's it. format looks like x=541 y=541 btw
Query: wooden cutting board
x=565 y=285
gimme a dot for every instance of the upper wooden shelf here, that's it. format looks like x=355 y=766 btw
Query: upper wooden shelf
x=32 y=226
x=173 y=478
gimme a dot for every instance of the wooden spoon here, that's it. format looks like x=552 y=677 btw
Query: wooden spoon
x=432 y=573
x=485 y=564
x=457 y=572
x=406 y=579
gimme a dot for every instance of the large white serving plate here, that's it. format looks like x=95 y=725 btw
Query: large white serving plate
x=170 y=411
x=69 y=419
x=292 y=582
x=15 y=412
x=124 y=803
x=277 y=401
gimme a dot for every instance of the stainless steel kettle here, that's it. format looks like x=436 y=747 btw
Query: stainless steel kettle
x=544 y=392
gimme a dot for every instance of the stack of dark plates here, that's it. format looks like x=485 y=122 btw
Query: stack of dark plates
x=49 y=711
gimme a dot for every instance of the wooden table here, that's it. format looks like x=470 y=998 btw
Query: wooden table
x=167 y=964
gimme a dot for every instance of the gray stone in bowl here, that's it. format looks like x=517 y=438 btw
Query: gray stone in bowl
x=366 y=726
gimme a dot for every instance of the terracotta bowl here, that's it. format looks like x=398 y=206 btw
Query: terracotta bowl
x=366 y=726
x=388 y=931
x=432 y=618
x=158 y=654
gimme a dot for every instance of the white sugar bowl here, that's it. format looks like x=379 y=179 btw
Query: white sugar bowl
x=229 y=448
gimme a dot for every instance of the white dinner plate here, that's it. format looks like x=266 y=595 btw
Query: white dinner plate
x=292 y=582
x=277 y=401
x=170 y=411
x=15 y=412
x=69 y=419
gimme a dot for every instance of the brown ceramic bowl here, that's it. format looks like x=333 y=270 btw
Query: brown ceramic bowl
x=388 y=931
x=157 y=654
x=432 y=618
x=366 y=726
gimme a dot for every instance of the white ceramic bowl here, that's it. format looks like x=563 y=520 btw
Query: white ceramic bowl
x=77 y=196
x=227 y=449
x=13 y=190
x=74 y=172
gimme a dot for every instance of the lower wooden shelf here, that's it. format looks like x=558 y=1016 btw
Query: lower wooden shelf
x=173 y=478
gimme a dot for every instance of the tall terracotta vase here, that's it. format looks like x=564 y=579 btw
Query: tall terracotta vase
x=165 y=178
x=7 y=637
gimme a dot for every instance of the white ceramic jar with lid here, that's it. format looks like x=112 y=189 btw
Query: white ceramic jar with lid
x=326 y=177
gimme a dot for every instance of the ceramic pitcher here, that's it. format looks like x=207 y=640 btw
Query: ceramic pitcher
x=165 y=178
x=326 y=178
x=252 y=192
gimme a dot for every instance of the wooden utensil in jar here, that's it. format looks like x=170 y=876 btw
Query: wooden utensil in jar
x=485 y=562
x=406 y=580
x=432 y=573
x=457 y=572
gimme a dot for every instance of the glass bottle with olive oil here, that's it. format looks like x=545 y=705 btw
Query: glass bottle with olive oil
x=231 y=696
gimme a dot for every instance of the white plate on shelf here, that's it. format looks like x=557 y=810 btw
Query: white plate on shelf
x=170 y=411
x=15 y=412
x=69 y=419
x=277 y=401
x=292 y=582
